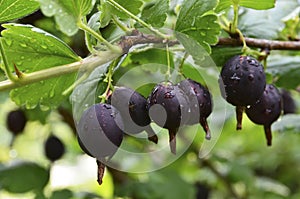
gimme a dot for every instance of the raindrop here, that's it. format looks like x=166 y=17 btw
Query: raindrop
x=52 y=93
x=44 y=46
x=23 y=45
x=22 y=57
x=251 y=77
x=44 y=107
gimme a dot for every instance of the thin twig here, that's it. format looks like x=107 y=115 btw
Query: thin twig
x=261 y=43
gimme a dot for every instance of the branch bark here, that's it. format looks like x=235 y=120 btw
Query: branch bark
x=261 y=43
x=125 y=44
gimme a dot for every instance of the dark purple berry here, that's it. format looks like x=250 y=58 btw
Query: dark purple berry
x=242 y=82
x=289 y=105
x=54 y=148
x=200 y=104
x=134 y=112
x=167 y=104
x=267 y=110
x=99 y=133
x=16 y=121
x=99 y=130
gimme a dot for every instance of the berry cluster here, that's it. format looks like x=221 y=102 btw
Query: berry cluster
x=243 y=84
x=103 y=125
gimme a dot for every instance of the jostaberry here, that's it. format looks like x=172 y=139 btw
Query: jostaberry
x=267 y=110
x=200 y=104
x=173 y=100
x=134 y=112
x=242 y=82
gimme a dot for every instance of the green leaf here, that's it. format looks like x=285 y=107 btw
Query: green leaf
x=261 y=5
x=32 y=49
x=22 y=177
x=223 y=4
x=156 y=13
x=266 y=24
x=132 y=6
x=64 y=193
x=194 y=21
x=286 y=69
x=14 y=9
x=67 y=12
x=193 y=48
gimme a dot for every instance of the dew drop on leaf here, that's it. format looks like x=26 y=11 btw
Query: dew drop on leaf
x=52 y=93
x=44 y=46
x=23 y=45
x=44 y=108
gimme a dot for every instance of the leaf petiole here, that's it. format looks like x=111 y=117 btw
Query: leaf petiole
x=87 y=29
x=10 y=76
x=121 y=8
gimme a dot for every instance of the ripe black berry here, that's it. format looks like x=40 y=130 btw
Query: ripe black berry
x=200 y=104
x=242 y=82
x=16 y=121
x=134 y=112
x=54 y=148
x=267 y=110
x=289 y=105
x=99 y=131
x=100 y=134
x=172 y=100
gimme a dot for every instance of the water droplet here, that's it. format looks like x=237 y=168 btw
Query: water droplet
x=19 y=63
x=235 y=78
x=268 y=111
x=251 y=77
x=52 y=93
x=203 y=33
x=44 y=107
x=22 y=57
x=86 y=105
x=50 y=6
x=91 y=116
x=23 y=45
x=42 y=82
x=44 y=46
x=85 y=127
x=13 y=153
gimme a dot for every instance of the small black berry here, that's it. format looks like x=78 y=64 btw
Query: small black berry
x=242 y=82
x=173 y=101
x=99 y=130
x=16 y=121
x=134 y=112
x=267 y=110
x=289 y=104
x=54 y=148
x=200 y=103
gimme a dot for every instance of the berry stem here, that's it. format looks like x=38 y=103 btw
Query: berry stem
x=239 y=116
x=204 y=124
x=168 y=75
x=120 y=24
x=172 y=140
x=268 y=134
x=87 y=29
x=101 y=170
x=151 y=134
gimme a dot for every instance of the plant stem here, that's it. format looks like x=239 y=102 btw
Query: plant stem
x=234 y=25
x=87 y=38
x=120 y=24
x=121 y=8
x=86 y=64
x=168 y=75
x=87 y=29
x=10 y=76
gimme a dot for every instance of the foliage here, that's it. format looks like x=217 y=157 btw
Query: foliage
x=44 y=74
